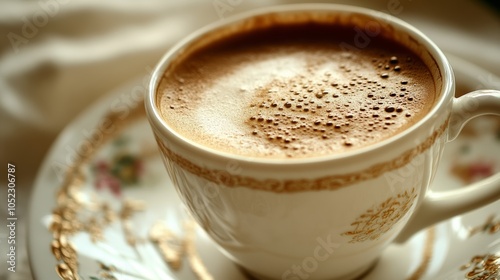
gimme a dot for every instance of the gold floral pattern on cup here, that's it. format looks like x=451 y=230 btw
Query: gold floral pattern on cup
x=381 y=218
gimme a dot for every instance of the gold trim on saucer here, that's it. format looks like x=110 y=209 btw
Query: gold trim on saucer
x=65 y=221
x=482 y=267
x=332 y=182
x=427 y=255
x=490 y=226
x=197 y=265
x=173 y=248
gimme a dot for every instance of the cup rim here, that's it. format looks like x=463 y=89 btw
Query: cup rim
x=445 y=94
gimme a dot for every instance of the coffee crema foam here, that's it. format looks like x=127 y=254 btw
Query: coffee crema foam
x=294 y=91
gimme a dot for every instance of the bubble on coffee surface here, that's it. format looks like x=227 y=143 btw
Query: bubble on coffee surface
x=335 y=107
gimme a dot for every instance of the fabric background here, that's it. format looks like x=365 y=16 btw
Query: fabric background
x=59 y=56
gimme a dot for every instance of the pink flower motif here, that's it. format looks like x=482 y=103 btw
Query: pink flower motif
x=474 y=171
x=106 y=180
x=123 y=169
x=481 y=170
x=102 y=167
x=139 y=167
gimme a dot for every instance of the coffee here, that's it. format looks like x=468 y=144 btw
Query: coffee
x=295 y=90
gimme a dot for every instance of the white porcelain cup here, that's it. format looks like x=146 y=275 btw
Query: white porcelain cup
x=326 y=217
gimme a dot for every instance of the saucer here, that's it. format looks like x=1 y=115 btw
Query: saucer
x=104 y=208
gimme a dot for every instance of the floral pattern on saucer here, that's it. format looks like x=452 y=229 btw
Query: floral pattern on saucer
x=104 y=217
x=123 y=168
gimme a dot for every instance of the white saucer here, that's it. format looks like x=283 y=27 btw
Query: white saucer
x=127 y=176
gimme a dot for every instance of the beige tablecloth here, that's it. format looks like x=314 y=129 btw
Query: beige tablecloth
x=59 y=56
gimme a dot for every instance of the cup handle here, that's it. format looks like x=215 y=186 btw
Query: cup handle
x=439 y=206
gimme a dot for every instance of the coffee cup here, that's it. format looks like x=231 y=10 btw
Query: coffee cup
x=251 y=165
